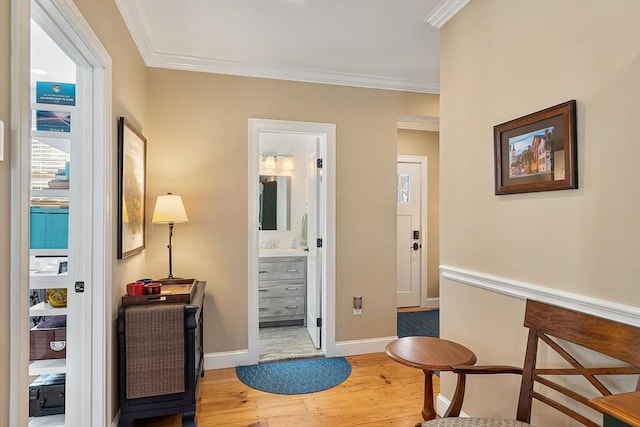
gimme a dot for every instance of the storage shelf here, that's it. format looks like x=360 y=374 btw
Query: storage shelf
x=45 y=281
x=51 y=193
x=49 y=252
x=47 y=421
x=48 y=366
x=45 y=309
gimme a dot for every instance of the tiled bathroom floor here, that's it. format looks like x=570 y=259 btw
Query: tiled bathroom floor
x=286 y=342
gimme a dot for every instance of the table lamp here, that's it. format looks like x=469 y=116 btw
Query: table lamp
x=169 y=210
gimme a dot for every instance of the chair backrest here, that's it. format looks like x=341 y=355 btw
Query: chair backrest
x=556 y=326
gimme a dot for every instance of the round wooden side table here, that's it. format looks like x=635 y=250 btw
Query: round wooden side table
x=431 y=354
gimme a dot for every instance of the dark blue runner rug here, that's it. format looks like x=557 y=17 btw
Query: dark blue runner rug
x=296 y=376
x=419 y=323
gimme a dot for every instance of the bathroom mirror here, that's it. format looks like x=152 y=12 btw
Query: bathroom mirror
x=274 y=202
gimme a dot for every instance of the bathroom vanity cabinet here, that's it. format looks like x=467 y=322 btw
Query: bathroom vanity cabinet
x=282 y=283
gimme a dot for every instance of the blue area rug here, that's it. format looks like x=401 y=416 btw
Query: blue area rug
x=419 y=323
x=296 y=376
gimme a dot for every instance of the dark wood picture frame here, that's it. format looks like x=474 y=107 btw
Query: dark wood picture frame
x=132 y=155
x=537 y=152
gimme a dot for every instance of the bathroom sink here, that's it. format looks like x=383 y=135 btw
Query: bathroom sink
x=272 y=252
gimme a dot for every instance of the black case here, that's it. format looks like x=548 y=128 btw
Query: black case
x=46 y=395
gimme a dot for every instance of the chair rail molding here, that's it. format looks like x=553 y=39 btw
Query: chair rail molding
x=523 y=290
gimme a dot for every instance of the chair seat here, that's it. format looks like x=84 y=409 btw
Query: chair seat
x=473 y=422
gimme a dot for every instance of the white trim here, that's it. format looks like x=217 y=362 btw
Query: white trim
x=416 y=122
x=423 y=161
x=522 y=290
x=328 y=130
x=445 y=12
x=131 y=17
x=366 y=346
x=272 y=71
x=19 y=267
x=433 y=303
x=226 y=359
x=152 y=58
x=1 y=140
x=442 y=404
x=68 y=24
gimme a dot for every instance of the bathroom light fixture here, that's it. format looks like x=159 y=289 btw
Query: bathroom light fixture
x=169 y=210
x=270 y=160
x=288 y=162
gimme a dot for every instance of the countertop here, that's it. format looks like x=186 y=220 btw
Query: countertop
x=282 y=252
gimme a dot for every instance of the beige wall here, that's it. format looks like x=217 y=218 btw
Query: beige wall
x=5 y=203
x=421 y=143
x=501 y=60
x=198 y=147
x=197 y=127
x=129 y=88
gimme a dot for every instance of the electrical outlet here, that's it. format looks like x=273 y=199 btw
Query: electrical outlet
x=357 y=305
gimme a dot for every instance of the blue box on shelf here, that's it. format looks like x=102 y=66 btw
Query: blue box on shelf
x=49 y=228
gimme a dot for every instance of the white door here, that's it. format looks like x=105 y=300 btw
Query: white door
x=314 y=259
x=60 y=226
x=409 y=192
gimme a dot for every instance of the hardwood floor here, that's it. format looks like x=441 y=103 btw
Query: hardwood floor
x=378 y=392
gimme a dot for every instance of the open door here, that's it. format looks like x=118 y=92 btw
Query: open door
x=314 y=221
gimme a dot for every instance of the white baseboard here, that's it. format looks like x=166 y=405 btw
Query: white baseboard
x=226 y=359
x=442 y=404
x=366 y=346
x=432 y=303
x=231 y=359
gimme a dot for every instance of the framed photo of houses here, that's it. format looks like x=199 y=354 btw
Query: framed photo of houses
x=537 y=152
x=132 y=153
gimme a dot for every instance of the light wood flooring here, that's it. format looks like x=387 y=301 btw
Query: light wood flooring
x=378 y=392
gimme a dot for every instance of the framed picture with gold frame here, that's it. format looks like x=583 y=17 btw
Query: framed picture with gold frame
x=132 y=153
x=537 y=152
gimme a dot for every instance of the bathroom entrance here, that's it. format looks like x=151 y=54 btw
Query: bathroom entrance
x=291 y=236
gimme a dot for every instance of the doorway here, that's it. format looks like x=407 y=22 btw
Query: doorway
x=291 y=239
x=81 y=255
x=411 y=195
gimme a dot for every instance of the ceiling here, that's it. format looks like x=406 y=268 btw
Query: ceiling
x=385 y=44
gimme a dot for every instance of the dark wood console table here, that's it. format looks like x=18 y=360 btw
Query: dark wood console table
x=173 y=403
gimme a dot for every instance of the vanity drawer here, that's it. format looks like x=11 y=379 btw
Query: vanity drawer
x=281 y=270
x=278 y=290
x=287 y=306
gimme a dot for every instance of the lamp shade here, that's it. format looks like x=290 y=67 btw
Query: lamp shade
x=169 y=210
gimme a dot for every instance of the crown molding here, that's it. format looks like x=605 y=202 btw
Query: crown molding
x=132 y=20
x=415 y=122
x=445 y=12
x=152 y=58
x=270 y=71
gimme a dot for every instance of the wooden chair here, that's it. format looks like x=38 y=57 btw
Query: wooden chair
x=556 y=327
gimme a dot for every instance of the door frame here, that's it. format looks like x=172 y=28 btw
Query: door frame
x=94 y=379
x=328 y=130
x=424 y=219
